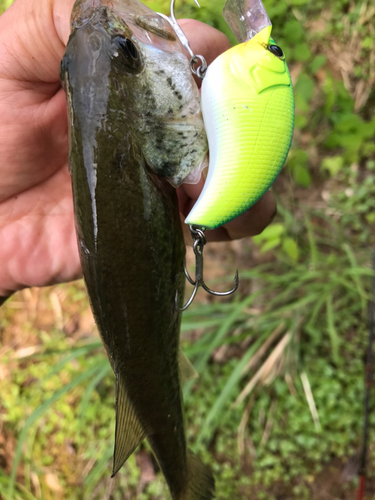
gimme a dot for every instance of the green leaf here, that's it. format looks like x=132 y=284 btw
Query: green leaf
x=305 y=87
x=302 y=52
x=293 y=31
x=269 y=233
x=332 y=165
x=302 y=176
x=348 y=123
x=317 y=63
x=290 y=247
x=367 y=42
x=270 y=245
x=300 y=121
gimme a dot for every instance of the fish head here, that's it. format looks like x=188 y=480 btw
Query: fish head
x=100 y=46
x=123 y=44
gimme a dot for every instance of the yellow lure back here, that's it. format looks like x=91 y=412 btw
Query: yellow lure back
x=248 y=111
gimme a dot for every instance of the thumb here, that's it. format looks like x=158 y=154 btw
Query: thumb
x=33 y=34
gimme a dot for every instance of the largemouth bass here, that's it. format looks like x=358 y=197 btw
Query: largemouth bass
x=130 y=96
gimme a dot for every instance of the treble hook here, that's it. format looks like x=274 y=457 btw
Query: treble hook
x=201 y=70
x=199 y=242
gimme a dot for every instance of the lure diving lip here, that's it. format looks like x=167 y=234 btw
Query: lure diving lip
x=248 y=111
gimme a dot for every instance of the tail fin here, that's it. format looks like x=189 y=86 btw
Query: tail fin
x=201 y=482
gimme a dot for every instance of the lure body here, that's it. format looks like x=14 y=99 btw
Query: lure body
x=248 y=111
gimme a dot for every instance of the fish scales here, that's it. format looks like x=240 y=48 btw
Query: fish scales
x=130 y=237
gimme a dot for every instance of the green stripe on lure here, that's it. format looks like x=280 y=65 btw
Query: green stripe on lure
x=248 y=110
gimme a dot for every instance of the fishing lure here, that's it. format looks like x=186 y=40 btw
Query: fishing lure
x=248 y=111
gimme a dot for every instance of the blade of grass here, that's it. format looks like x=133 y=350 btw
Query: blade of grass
x=36 y=415
x=97 y=471
x=242 y=427
x=198 y=325
x=216 y=411
x=70 y=357
x=264 y=348
x=314 y=253
x=216 y=341
x=332 y=332
x=311 y=401
x=264 y=369
x=353 y=261
x=21 y=494
x=50 y=352
x=317 y=308
x=106 y=368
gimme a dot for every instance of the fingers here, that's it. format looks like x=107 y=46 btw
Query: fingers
x=250 y=223
x=30 y=46
x=204 y=40
x=62 y=10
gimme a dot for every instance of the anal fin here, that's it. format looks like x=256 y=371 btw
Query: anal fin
x=129 y=432
x=187 y=370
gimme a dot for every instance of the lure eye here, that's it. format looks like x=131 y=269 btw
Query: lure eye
x=128 y=49
x=276 y=50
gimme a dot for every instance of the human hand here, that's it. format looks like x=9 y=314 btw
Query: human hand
x=37 y=235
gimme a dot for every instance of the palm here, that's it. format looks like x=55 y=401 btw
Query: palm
x=36 y=219
x=37 y=238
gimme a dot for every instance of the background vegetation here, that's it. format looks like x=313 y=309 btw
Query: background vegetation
x=277 y=410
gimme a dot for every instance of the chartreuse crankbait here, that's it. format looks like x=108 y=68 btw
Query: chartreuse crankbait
x=248 y=111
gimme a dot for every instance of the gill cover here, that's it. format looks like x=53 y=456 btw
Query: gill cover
x=248 y=111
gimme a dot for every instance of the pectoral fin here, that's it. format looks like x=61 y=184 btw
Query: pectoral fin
x=129 y=432
x=187 y=370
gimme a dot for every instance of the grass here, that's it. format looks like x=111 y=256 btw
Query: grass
x=277 y=409
x=272 y=353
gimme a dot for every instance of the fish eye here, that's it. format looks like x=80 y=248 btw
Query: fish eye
x=131 y=48
x=128 y=49
x=276 y=50
x=126 y=46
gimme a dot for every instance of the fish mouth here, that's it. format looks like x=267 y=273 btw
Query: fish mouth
x=83 y=11
x=143 y=23
x=98 y=14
